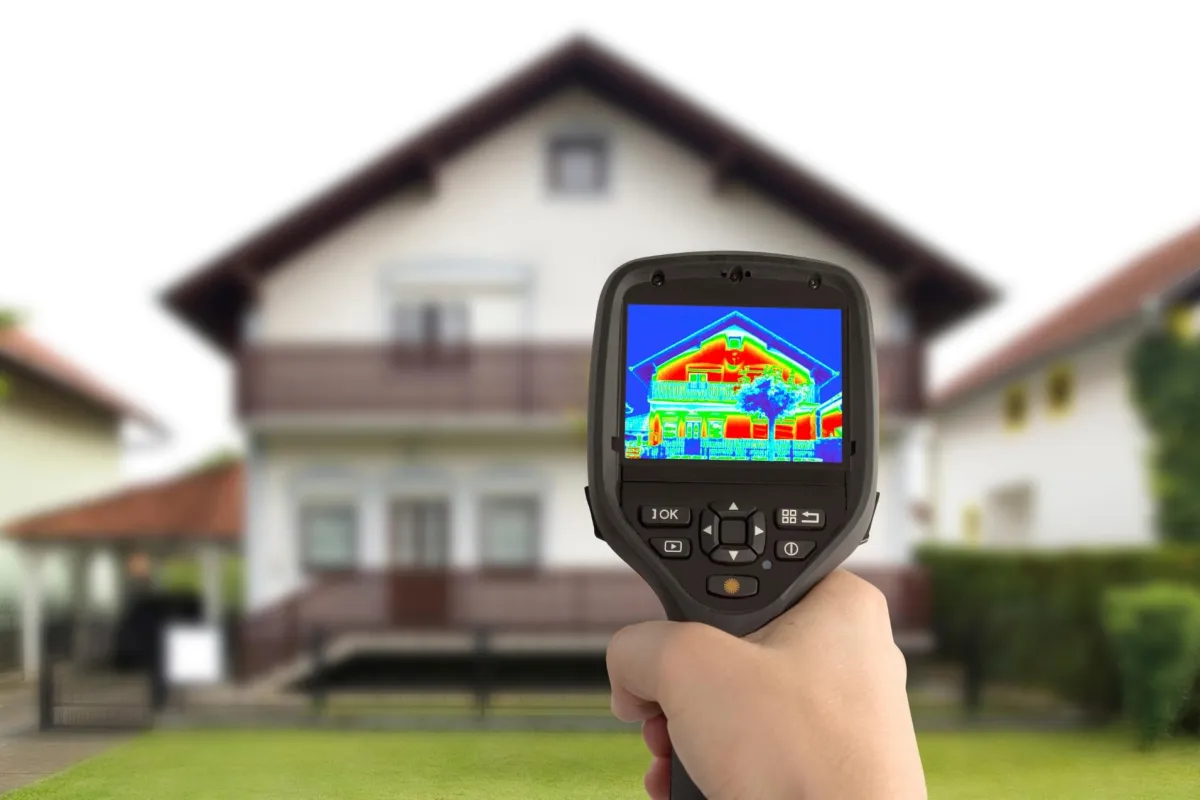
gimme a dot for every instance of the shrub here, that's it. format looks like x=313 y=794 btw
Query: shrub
x=1035 y=618
x=1155 y=631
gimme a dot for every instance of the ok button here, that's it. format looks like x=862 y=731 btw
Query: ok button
x=665 y=516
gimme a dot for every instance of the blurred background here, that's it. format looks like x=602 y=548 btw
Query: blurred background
x=295 y=307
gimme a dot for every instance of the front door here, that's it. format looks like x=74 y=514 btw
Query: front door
x=419 y=539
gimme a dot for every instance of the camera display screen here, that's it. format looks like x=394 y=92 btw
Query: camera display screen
x=724 y=383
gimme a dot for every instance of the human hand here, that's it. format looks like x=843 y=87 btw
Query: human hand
x=813 y=705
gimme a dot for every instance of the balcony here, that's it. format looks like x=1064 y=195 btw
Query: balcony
x=579 y=602
x=324 y=379
x=521 y=379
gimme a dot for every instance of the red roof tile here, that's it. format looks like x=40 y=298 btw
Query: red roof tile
x=1115 y=299
x=19 y=350
x=206 y=504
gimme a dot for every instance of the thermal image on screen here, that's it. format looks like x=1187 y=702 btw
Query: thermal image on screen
x=719 y=383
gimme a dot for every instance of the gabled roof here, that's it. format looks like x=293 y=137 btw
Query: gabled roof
x=1116 y=299
x=734 y=322
x=201 y=505
x=22 y=353
x=940 y=290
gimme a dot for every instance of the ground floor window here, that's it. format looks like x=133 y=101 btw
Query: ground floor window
x=328 y=536
x=510 y=533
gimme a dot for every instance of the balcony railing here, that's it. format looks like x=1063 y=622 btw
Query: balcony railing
x=557 y=601
x=547 y=379
x=352 y=378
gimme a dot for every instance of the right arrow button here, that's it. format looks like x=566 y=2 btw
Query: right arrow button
x=757 y=535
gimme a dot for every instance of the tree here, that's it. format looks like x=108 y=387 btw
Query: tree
x=1164 y=373
x=772 y=397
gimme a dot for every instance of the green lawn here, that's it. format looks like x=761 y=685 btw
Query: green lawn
x=312 y=765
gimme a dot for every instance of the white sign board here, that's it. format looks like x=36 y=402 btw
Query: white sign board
x=195 y=655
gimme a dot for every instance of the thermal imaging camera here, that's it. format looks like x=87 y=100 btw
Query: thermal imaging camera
x=732 y=431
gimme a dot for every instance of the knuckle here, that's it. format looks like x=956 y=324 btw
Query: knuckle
x=687 y=643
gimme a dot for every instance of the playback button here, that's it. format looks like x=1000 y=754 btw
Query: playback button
x=672 y=548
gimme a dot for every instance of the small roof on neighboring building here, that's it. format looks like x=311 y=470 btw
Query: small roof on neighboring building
x=941 y=290
x=202 y=505
x=19 y=351
x=1116 y=299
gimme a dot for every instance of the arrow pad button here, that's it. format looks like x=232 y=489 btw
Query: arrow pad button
x=733 y=555
x=757 y=532
x=708 y=531
x=731 y=509
x=733 y=531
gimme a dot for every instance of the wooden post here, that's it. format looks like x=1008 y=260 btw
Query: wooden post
x=316 y=679
x=45 y=693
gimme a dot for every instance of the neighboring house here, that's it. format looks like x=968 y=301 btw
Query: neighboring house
x=60 y=440
x=1039 y=443
x=412 y=344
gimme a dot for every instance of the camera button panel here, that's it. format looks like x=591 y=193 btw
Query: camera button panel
x=702 y=531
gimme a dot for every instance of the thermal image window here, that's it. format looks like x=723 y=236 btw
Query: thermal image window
x=720 y=383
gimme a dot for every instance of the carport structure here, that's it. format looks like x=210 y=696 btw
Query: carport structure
x=196 y=515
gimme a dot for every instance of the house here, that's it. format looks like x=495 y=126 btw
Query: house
x=61 y=438
x=1038 y=443
x=411 y=347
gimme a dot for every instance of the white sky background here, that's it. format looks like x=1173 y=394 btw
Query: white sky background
x=1041 y=143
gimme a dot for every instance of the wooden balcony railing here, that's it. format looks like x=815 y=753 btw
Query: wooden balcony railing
x=548 y=378
x=555 y=601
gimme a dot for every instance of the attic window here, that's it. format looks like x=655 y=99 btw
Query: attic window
x=1016 y=406
x=577 y=164
x=1060 y=388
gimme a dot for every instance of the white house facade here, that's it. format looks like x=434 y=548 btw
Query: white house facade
x=366 y=455
x=1040 y=445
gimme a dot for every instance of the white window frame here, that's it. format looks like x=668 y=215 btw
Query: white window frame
x=485 y=515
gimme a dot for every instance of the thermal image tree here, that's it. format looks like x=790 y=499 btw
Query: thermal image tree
x=770 y=396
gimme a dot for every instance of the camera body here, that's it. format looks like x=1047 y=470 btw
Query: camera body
x=732 y=429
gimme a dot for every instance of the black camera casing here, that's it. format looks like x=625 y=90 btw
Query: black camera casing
x=619 y=486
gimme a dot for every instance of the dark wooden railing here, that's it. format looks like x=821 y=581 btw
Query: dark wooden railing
x=548 y=378
x=481 y=379
x=554 y=601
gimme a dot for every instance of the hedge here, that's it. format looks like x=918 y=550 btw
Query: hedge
x=1036 y=618
x=1155 y=631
